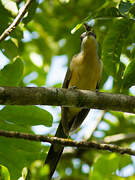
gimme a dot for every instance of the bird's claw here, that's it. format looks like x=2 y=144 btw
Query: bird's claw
x=73 y=87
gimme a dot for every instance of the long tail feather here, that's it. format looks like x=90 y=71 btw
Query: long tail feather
x=55 y=152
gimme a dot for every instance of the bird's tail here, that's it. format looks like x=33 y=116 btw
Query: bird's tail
x=55 y=152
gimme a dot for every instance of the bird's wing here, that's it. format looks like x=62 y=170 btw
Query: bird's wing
x=67 y=78
x=78 y=119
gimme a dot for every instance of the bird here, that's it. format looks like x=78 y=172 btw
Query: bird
x=84 y=72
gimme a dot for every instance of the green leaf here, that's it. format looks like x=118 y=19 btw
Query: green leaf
x=129 y=74
x=4 y=173
x=124 y=6
x=102 y=166
x=11 y=74
x=14 y=151
x=132 y=9
x=4 y=18
x=44 y=171
x=108 y=12
x=118 y=81
x=10 y=6
x=26 y=116
x=76 y=28
x=39 y=170
x=9 y=49
x=21 y=119
x=17 y=34
x=112 y=46
x=31 y=12
x=124 y=161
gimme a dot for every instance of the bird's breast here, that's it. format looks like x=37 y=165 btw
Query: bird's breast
x=85 y=75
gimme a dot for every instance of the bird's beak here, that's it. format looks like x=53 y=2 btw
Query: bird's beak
x=90 y=33
x=88 y=30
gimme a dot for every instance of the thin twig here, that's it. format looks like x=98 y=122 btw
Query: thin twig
x=119 y=138
x=16 y=21
x=68 y=142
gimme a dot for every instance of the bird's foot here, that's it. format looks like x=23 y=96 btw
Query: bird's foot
x=73 y=87
x=97 y=91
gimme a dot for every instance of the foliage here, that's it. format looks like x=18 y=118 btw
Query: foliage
x=27 y=55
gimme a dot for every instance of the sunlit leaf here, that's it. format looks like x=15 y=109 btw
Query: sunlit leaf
x=10 y=6
x=76 y=28
x=4 y=173
x=106 y=169
x=26 y=174
x=44 y=171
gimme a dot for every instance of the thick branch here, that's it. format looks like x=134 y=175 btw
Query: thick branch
x=68 y=142
x=16 y=21
x=66 y=97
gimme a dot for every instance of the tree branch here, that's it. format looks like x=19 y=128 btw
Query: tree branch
x=98 y=120
x=66 y=97
x=118 y=138
x=16 y=21
x=68 y=142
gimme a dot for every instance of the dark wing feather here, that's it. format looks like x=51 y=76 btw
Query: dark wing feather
x=78 y=119
x=67 y=78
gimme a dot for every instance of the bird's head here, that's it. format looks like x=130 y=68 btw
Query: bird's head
x=88 y=39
